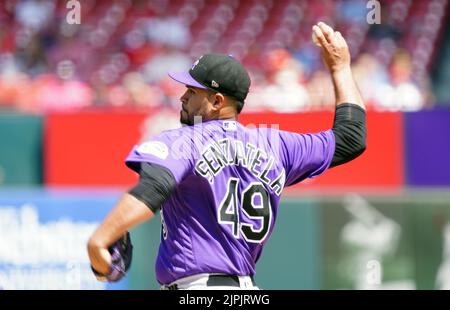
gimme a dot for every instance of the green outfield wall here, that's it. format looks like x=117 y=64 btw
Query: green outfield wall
x=20 y=150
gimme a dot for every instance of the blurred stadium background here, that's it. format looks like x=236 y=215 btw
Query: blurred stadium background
x=74 y=99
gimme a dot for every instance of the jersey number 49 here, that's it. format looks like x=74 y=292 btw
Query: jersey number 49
x=228 y=212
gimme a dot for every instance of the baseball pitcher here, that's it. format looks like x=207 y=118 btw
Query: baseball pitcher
x=217 y=183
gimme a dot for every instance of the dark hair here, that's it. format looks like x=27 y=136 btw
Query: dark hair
x=239 y=106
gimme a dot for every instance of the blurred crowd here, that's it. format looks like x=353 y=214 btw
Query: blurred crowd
x=119 y=54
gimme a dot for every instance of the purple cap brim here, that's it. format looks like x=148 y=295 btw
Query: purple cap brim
x=186 y=79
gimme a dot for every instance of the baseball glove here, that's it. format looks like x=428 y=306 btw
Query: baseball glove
x=121 y=254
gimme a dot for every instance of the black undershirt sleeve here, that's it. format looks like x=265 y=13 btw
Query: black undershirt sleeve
x=350 y=132
x=155 y=185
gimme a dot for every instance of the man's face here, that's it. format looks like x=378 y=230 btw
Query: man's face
x=195 y=102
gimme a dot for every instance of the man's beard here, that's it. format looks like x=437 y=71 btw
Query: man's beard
x=185 y=120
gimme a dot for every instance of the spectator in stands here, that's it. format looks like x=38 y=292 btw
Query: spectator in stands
x=370 y=75
x=35 y=15
x=386 y=29
x=319 y=91
x=287 y=93
x=142 y=94
x=400 y=93
x=31 y=56
x=168 y=58
x=168 y=31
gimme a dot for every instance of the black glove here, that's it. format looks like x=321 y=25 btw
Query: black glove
x=121 y=254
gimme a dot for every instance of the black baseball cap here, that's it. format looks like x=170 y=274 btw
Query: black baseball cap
x=217 y=72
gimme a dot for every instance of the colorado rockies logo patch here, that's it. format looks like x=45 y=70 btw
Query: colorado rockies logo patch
x=155 y=148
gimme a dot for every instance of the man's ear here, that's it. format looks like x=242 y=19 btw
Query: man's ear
x=218 y=101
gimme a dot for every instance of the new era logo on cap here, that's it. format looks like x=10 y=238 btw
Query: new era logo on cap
x=221 y=73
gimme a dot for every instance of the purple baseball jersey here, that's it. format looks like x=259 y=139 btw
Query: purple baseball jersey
x=229 y=181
